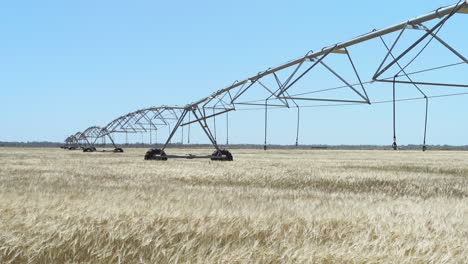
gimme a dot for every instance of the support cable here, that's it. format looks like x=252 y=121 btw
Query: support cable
x=417 y=87
x=424 y=148
x=227 y=129
x=394 y=145
x=188 y=134
x=266 y=123
x=432 y=69
x=281 y=86
x=214 y=123
x=433 y=35
x=182 y=137
x=297 y=128
x=298 y=118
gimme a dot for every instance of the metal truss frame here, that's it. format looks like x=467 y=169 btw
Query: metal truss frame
x=231 y=98
x=226 y=100
x=140 y=121
x=430 y=34
x=90 y=137
x=72 y=142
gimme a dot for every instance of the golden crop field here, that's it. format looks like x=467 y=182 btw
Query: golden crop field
x=279 y=206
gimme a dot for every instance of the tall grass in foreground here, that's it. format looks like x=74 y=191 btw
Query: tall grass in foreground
x=320 y=206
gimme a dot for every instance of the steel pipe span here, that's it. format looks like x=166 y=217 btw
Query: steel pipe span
x=460 y=7
x=223 y=101
x=139 y=121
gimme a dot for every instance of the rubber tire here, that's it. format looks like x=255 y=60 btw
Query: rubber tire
x=155 y=154
x=118 y=150
x=424 y=148
x=395 y=146
x=88 y=150
x=228 y=155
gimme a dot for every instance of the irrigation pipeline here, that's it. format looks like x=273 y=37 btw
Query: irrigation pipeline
x=279 y=97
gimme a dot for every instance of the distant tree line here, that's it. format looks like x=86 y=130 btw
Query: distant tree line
x=237 y=146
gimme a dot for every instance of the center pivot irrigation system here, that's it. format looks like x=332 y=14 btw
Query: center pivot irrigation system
x=278 y=83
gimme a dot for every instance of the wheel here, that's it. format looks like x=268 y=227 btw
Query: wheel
x=394 y=146
x=88 y=150
x=219 y=155
x=93 y=148
x=424 y=148
x=155 y=154
x=118 y=150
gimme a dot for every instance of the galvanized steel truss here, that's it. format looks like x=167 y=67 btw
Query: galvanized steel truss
x=278 y=90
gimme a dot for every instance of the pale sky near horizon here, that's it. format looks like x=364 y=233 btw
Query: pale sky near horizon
x=68 y=65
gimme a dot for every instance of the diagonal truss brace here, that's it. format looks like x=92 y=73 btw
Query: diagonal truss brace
x=428 y=33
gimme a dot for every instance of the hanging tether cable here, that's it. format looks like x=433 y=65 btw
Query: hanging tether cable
x=394 y=145
x=281 y=86
x=182 y=137
x=298 y=119
x=188 y=132
x=150 y=132
x=266 y=124
x=214 y=123
x=297 y=128
x=424 y=148
x=402 y=70
x=227 y=129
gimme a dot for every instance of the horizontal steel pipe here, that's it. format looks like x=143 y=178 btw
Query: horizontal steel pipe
x=438 y=13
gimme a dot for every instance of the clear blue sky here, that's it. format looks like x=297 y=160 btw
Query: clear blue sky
x=67 y=65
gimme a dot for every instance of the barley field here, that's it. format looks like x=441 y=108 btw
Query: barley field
x=279 y=206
